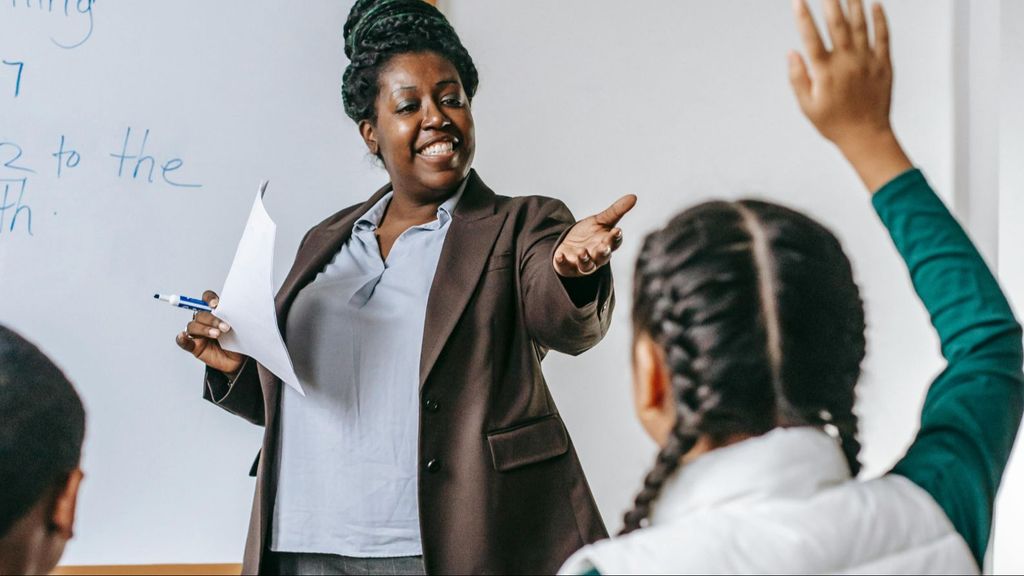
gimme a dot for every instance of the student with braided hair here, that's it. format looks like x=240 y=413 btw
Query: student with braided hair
x=749 y=334
x=417 y=321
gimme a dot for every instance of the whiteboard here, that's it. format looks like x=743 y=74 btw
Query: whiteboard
x=171 y=112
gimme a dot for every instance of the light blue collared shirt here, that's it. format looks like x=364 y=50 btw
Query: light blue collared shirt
x=347 y=472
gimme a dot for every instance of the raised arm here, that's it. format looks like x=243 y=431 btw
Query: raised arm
x=973 y=409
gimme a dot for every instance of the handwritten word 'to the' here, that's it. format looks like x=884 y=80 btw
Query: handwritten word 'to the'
x=133 y=162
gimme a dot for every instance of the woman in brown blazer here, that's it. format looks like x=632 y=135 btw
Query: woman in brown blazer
x=417 y=321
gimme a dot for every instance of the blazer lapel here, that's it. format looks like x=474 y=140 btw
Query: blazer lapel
x=320 y=247
x=468 y=244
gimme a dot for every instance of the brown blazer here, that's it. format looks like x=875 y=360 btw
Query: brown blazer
x=500 y=489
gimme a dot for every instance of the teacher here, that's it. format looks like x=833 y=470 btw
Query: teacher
x=417 y=322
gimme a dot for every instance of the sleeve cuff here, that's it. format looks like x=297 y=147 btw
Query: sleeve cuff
x=219 y=385
x=906 y=182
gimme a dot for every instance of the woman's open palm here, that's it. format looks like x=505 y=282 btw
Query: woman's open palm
x=590 y=243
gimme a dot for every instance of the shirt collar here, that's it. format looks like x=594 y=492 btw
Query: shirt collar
x=785 y=462
x=371 y=219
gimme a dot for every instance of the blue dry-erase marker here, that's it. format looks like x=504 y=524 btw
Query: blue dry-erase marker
x=184 y=302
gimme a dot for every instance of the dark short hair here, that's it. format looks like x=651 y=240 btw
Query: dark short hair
x=378 y=30
x=762 y=325
x=42 y=424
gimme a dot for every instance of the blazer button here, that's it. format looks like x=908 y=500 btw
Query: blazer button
x=433 y=465
x=431 y=405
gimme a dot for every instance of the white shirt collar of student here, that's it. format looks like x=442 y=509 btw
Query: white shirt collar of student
x=784 y=463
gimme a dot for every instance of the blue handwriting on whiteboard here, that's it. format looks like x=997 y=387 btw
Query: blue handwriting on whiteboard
x=66 y=157
x=10 y=153
x=16 y=207
x=70 y=8
x=143 y=161
x=17 y=79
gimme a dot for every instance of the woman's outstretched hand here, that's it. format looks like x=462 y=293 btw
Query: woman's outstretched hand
x=847 y=92
x=200 y=339
x=590 y=243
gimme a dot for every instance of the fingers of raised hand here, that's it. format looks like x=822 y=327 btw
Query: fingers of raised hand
x=852 y=54
x=809 y=32
x=800 y=79
x=838 y=26
x=881 y=34
x=858 y=25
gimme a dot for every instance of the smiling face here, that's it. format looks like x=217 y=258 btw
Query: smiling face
x=424 y=130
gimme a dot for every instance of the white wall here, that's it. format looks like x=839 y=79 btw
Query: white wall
x=240 y=91
x=1008 y=555
x=680 y=101
x=976 y=72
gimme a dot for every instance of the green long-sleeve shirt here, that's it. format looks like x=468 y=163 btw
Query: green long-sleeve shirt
x=973 y=409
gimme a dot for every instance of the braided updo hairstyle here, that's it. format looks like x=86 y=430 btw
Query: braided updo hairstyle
x=761 y=323
x=377 y=30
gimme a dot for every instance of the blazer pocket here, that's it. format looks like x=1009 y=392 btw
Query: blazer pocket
x=529 y=443
x=500 y=261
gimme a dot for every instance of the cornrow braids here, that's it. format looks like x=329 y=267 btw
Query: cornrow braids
x=378 y=30
x=761 y=323
x=821 y=319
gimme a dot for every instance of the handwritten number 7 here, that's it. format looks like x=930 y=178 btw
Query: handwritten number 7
x=17 y=81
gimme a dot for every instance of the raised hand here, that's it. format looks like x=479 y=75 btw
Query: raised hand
x=847 y=93
x=200 y=339
x=590 y=243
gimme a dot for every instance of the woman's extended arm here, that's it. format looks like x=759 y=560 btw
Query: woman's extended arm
x=569 y=315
